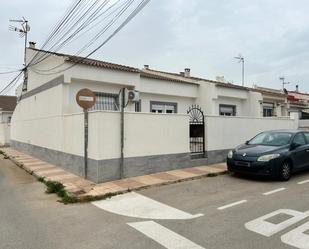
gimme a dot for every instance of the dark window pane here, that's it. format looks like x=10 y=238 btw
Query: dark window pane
x=300 y=139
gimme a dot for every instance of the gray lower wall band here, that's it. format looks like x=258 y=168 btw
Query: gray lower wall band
x=54 y=82
x=107 y=170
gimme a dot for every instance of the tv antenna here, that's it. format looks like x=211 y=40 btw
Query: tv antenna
x=241 y=60
x=23 y=32
x=283 y=82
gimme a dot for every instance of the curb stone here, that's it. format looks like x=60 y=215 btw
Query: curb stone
x=84 y=190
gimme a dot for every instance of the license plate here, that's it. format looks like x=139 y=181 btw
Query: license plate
x=240 y=163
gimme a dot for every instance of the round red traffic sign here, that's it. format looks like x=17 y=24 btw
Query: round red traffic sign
x=85 y=98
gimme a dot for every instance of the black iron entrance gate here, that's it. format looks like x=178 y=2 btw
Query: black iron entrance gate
x=197 y=130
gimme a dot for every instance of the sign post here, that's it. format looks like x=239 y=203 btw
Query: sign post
x=86 y=99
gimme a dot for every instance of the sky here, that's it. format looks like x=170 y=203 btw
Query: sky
x=170 y=35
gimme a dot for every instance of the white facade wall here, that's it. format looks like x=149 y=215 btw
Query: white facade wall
x=5 y=116
x=45 y=103
x=70 y=90
x=85 y=73
x=253 y=105
x=228 y=132
x=304 y=124
x=164 y=87
x=4 y=134
x=145 y=134
x=210 y=96
x=36 y=77
x=167 y=91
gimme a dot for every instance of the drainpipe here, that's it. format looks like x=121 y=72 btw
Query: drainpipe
x=122 y=133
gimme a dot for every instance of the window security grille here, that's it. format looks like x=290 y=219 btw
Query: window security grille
x=106 y=102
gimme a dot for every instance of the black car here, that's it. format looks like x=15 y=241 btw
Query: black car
x=271 y=153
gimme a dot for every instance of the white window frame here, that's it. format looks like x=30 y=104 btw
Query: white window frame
x=222 y=113
x=163 y=107
x=267 y=106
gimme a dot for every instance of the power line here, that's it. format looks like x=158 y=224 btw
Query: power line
x=86 y=10
x=105 y=28
x=141 y=5
x=12 y=83
x=90 y=19
x=10 y=72
x=60 y=25
x=25 y=29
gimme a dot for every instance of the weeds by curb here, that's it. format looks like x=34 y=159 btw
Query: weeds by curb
x=58 y=188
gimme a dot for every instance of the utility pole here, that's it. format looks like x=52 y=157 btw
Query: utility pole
x=241 y=60
x=283 y=82
x=23 y=32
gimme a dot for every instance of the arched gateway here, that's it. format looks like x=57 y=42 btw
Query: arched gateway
x=197 y=130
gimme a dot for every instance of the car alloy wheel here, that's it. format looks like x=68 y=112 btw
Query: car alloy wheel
x=285 y=172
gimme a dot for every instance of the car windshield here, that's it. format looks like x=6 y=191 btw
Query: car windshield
x=272 y=139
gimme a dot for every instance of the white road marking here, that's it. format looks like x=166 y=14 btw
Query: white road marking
x=232 y=204
x=274 y=191
x=297 y=237
x=303 y=182
x=263 y=227
x=139 y=206
x=164 y=236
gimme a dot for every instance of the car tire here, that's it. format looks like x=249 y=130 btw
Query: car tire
x=285 y=171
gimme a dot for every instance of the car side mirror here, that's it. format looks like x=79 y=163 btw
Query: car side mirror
x=294 y=146
x=247 y=142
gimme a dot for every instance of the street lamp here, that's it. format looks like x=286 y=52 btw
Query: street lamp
x=241 y=60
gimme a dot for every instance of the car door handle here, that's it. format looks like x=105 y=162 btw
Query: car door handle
x=307 y=150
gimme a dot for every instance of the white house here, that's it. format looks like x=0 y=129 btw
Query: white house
x=158 y=135
x=274 y=102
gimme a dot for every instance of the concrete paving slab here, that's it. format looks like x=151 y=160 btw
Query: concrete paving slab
x=182 y=174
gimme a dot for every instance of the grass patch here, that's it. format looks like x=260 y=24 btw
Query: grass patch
x=66 y=199
x=97 y=198
x=5 y=156
x=53 y=187
x=40 y=179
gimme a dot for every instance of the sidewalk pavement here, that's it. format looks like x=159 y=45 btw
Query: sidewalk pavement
x=87 y=190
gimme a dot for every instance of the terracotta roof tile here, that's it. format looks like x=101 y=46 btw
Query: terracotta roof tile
x=230 y=85
x=91 y=62
x=180 y=78
x=165 y=76
x=269 y=91
x=8 y=103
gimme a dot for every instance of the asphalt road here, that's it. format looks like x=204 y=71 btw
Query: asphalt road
x=162 y=217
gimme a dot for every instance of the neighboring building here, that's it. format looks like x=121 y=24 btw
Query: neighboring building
x=48 y=123
x=299 y=102
x=274 y=102
x=7 y=107
x=214 y=97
